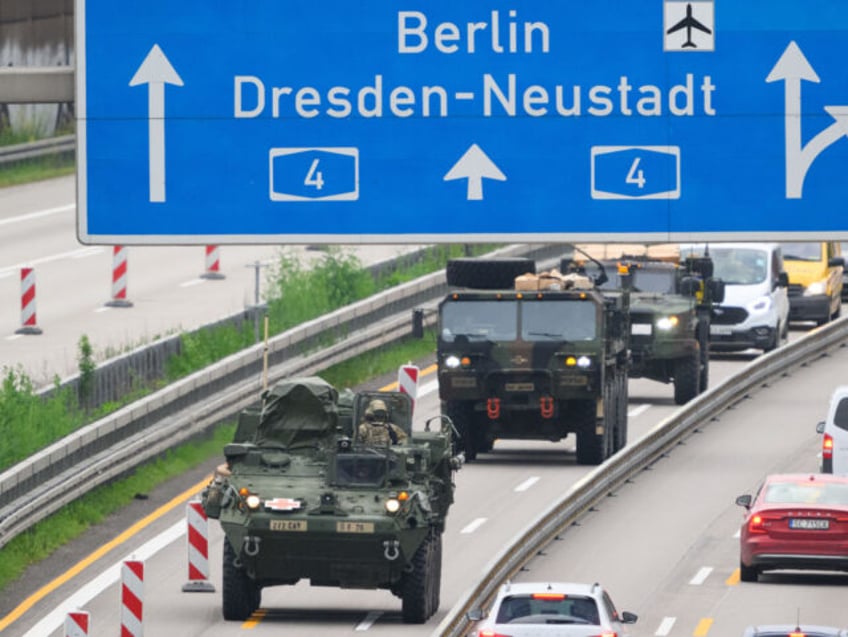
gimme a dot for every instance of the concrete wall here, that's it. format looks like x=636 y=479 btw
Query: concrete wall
x=36 y=33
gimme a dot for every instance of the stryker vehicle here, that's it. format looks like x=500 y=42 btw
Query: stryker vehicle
x=670 y=306
x=302 y=497
x=535 y=363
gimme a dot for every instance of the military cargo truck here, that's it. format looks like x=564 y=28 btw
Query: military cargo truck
x=301 y=496
x=670 y=306
x=532 y=364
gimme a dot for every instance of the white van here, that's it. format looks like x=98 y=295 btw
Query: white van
x=755 y=310
x=834 y=432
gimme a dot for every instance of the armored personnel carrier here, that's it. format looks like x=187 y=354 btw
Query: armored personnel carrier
x=303 y=496
x=533 y=357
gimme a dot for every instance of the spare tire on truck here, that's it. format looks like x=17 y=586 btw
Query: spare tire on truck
x=487 y=274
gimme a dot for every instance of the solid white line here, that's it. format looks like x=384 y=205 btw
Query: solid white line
x=665 y=626
x=105 y=308
x=36 y=215
x=54 y=620
x=13 y=337
x=192 y=282
x=637 y=411
x=529 y=482
x=476 y=524
x=429 y=388
x=73 y=254
x=369 y=620
x=701 y=576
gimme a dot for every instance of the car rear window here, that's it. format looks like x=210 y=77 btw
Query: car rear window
x=807 y=493
x=840 y=418
x=529 y=609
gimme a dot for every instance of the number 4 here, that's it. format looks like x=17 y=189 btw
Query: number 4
x=636 y=175
x=314 y=177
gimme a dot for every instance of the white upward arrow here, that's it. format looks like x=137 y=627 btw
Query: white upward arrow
x=474 y=166
x=793 y=68
x=156 y=71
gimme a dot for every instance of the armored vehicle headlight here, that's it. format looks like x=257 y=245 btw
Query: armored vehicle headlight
x=392 y=505
x=452 y=362
x=667 y=323
x=252 y=501
x=584 y=362
x=570 y=361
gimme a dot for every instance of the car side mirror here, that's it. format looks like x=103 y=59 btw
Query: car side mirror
x=783 y=280
x=628 y=617
x=690 y=286
x=744 y=501
x=835 y=262
x=475 y=615
x=716 y=287
x=820 y=427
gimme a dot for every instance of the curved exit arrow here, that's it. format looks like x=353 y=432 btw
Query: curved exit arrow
x=474 y=166
x=156 y=71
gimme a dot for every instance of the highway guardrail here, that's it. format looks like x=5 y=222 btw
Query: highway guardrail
x=603 y=480
x=40 y=148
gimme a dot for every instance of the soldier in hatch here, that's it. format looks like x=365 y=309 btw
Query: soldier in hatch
x=376 y=429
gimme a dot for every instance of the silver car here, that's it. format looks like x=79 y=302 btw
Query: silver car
x=791 y=630
x=551 y=609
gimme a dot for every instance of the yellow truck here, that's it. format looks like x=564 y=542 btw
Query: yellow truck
x=815 y=280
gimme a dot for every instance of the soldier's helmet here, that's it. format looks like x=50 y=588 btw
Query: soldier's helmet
x=377 y=411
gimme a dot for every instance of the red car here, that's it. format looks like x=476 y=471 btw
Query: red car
x=795 y=521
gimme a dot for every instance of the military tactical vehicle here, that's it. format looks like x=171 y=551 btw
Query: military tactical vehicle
x=670 y=306
x=301 y=497
x=537 y=363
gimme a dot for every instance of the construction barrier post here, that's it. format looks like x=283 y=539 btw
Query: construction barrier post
x=408 y=382
x=119 y=278
x=198 y=550
x=28 y=319
x=76 y=624
x=132 y=598
x=213 y=263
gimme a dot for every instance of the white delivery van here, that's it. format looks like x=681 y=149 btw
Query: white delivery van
x=755 y=309
x=834 y=432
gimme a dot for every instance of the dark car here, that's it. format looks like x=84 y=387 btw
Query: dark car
x=791 y=630
x=795 y=521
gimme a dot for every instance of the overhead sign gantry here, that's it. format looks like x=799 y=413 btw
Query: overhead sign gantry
x=336 y=121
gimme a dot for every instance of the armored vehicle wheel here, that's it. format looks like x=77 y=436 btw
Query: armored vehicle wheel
x=461 y=414
x=436 y=580
x=487 y=274
x=417 y=586
x=590 y=446
x=241 y=595
x=686 y=378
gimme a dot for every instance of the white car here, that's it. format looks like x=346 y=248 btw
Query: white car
x=834 y=432
x=551 y=609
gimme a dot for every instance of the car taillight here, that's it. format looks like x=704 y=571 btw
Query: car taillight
x=797 y=634
x=491 y=633
x=612 y=634
x=755 y=525
x=827 y=448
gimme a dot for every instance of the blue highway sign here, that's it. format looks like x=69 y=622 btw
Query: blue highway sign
x=340 y=121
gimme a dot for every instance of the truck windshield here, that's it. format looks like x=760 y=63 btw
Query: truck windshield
x=479 y=320
x=361 y=470
x=801 y=251
x=558 y=321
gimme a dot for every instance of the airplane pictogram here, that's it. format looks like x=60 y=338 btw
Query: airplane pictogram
x=689 y=23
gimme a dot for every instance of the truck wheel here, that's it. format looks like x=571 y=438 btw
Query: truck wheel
x=241 y=595
x=487 y=274
x=686 y=378
x=704 y=346
x=461 y=414
x=748 y=573
x=416 y=587
x=590 y=446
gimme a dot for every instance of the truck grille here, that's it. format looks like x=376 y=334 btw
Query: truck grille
x=795 y=289
x=728 y=315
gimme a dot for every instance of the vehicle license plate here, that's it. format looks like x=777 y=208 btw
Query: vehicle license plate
x=809 y=523
x=720 y=329
x=641 y=329
x=354 y=527
x=519 y=386
x=288 y=525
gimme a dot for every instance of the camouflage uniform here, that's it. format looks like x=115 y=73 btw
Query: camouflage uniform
x=376 y=430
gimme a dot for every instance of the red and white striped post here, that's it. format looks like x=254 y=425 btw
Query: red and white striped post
x=76 y=624
x=28 y=320
x=408 y=382
x=213 y=263
x=132 y=598
x=119 y=278
x=198 y=550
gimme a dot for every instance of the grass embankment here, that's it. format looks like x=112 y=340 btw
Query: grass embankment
x=34 y=169
x=28 y=422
